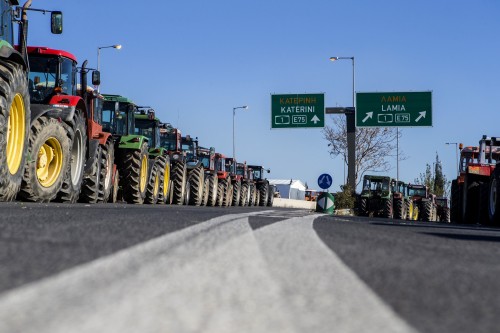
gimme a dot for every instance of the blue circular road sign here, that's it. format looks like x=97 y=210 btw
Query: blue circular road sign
x=325 y=181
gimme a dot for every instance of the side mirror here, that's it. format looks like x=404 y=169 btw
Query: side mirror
x=56 y=22
x=96 y=78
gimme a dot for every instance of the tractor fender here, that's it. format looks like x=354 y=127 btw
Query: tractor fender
x=132 y=141
x=193 y=164
x=70 y=102
x=103 y=137
x=8 y=52
x=63 y=112
x=91 y=151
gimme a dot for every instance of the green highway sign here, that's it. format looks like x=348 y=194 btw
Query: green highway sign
x=297 y=110
x=394 y=109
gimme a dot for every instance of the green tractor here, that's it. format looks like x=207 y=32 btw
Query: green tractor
x=131 y=149
x=402 y=203
x=15 y=110
x=376 y=197
x=146 y=124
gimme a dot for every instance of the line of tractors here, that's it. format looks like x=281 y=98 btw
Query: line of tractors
x=62 y=140
x=473 y=192
x=384 y=196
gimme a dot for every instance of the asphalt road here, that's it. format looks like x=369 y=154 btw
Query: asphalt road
x=125 y=268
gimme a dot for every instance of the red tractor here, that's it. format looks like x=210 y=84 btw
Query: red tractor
x=87 y=175
x=59 y=134
x=476 y=193
x=225 y=186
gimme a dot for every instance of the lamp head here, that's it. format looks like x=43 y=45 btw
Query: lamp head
x=118 y=46
x=334 y=58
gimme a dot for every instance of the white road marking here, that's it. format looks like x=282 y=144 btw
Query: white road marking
x=218 y=276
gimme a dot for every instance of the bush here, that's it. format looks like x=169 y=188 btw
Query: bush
x=345 y=198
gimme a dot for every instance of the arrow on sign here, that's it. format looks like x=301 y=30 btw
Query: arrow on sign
x=325 y=203
x=315 y=119
x=369 y=115
x=422 y=115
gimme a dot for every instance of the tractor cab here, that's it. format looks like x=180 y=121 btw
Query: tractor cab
x=418 y=191
x=52 y=72
x=220 y=165
x=118 y=115
x=376 y=186
x=170 y=137
x=146 y=124
x=258 y=172
x=207 y=158
x=190 y=149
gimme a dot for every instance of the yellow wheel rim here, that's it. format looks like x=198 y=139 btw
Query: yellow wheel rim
x=166 y=180
x=144 y=173
x=16 y=131
x=157 y=185
x=410 y=211
x=49 y=162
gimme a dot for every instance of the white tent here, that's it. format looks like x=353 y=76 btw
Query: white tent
x=289 y=188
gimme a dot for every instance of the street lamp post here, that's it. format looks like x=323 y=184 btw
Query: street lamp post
x=245 y=107
x=116 y=46
x=351 y=130
x=456 y=152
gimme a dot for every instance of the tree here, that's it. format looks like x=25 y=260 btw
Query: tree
x=435 y=180
x=373 y=146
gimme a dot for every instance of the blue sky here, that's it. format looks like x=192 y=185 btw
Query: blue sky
x=193 y=61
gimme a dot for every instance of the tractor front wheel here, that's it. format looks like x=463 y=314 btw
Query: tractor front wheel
x=49 y=151
x=91 y=187
x=197 y=180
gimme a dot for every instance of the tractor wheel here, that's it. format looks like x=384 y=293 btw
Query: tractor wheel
x=456 y=201
x=229 y=194
x=493 y=201
x=179 y=178
x=154 y=180
x=482 y=204
x=387 y=208
x=236 y=193
x=251 y=195
x=206 y=186
x=263 y=194
x=212 y=190
x=220 y=193
x=187 y=196
x=399 y=209
x=363 y=207
x=270 y=199
x=446 y=215
x=409 y=209
x=113 y=197
x=197 y=181
x=134 y=174
x=108 y=161
x=49 y=147
x=470 y=201
x=91 y=187
x=244 y=194
x=427 y=211
x=163 y=196
x=72 y=182
x=15 y=128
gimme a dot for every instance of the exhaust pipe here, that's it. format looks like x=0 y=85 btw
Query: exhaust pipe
x=23 y=31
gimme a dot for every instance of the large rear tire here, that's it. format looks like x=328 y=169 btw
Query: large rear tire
x=212 y=190
x=113 y=197
x=49 y=148
x=427 y=211
x=134 y=174
x=270 y=199
x=387 y=211
x=154 y=181
x=197 y=180
x=245 y=191
x=108 y=160
x=399 y=209
x=72 y=182
x=263 y=194
x=179 y=178
x=236 y=193
x=165 y=181
x=456 y=202
x=91 y=187
x=15 y=117
x=493 y=200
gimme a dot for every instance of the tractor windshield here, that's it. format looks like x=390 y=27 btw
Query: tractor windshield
x=421 y=192
x=205 y=160
x=148 y=128
x=188 y=147
x=257 y=173
x=47 y=73
x=375 y=184
x=115 y=119
x=168 y=140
